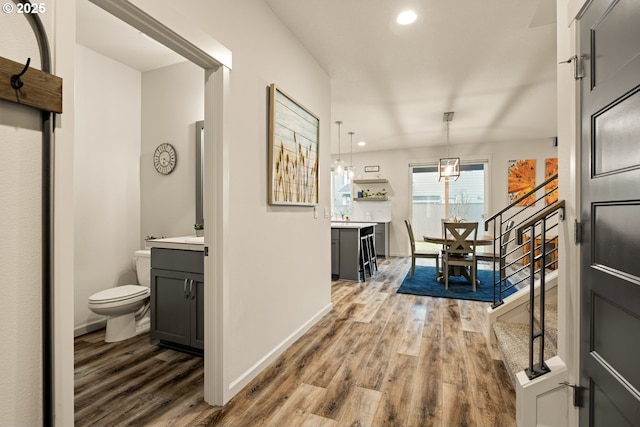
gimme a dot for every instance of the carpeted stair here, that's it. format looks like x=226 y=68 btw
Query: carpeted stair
x=513 y=340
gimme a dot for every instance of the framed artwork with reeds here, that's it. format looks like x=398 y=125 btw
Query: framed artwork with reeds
x=293 y=151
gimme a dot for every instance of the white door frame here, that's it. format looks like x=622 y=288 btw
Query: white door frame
x=168 y=26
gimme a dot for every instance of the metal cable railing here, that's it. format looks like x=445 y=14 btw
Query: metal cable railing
x=513 y=266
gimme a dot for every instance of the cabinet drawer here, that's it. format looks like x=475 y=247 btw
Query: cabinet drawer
x=178 y=260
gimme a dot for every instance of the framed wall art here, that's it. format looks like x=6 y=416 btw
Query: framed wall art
x=551 y=189
x=294 y=133
x=521 y=178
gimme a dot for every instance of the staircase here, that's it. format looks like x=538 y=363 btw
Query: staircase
x=526 y=337
x=513 y=340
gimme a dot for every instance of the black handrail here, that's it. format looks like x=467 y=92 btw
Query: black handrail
x=541 y=368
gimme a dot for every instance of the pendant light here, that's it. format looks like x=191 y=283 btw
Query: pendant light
x=338 y=164
x=350 y=170
x=448 y=167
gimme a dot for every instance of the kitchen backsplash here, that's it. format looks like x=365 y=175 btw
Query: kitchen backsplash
x=371 y=211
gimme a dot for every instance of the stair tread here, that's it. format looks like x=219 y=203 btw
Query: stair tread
x=513 y=341
x=550 y=321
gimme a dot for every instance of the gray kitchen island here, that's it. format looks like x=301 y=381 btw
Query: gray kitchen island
x=345 y=248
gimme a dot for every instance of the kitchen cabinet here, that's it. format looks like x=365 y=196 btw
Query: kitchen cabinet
x=177 y=299
x=382 y=238
x=335 y=252
x=345 y=255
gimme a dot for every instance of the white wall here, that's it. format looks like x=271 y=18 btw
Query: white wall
x=172 y=101
x=394 y=165
x=106 y=178
x=277 y=259
x=20 y=251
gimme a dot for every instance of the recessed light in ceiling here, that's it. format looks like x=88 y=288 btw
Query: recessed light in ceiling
x=362 y=144
x=406 y=17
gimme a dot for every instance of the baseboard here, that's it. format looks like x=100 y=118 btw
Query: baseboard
x=236 y=385
x=89 y=327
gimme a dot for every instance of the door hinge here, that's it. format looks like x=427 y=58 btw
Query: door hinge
x=577 y=393
x=577 y=232
x=578 y=70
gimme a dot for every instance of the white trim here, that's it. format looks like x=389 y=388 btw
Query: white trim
x=216 y=213
x=90 y=327
x=237 y=384
x=168 y=26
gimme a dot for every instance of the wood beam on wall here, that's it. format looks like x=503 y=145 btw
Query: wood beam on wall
x=40 y=90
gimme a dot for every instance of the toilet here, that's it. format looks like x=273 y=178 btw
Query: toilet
x=126 y=306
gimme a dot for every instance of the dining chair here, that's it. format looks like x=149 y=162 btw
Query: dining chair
x=419 y=253
x=460 y=251
x=491 y=256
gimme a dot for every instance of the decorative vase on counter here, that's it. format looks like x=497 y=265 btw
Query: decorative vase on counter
x=199 y=233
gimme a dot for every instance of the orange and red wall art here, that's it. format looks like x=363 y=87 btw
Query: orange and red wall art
x=521 y=178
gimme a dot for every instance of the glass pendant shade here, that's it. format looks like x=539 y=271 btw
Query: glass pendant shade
x=350 y=170
x=338 y=165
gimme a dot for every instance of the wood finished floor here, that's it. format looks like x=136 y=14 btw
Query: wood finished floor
x=378 y=359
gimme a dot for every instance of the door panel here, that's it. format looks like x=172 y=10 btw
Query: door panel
x=614 y=151
x=611 y=229
x=610 y=209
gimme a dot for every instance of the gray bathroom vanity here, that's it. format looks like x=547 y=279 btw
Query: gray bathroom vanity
x=177 y=294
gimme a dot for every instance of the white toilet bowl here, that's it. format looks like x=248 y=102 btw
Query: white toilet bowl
x=126 y=306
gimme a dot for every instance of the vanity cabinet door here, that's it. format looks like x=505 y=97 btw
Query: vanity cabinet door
x=197 y=313
x=170 y=307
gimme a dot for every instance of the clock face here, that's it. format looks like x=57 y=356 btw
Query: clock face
x=164 y=158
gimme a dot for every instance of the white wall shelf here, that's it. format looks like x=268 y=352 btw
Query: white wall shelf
x=371 y=181
x=371 y=199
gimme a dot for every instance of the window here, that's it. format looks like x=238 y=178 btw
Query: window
x=433 y=200
x=340 y=195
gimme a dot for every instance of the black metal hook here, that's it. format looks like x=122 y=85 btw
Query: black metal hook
x=16 y=82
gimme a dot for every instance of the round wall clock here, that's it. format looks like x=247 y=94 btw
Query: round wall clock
x=164 y=158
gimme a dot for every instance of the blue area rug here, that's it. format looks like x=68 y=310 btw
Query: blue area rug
x=424 y=283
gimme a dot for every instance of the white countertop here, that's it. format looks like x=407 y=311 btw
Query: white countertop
x=352 y=224
x=187 y=243
x=338 y=221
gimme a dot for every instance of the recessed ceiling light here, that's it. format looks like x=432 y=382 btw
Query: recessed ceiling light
x=362 y=144
x=406 y=17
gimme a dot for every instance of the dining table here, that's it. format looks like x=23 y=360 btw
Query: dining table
x=483 y=240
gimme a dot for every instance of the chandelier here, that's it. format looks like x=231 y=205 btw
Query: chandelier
x=448 y=167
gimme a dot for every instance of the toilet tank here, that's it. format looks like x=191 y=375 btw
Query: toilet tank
x=142 y=259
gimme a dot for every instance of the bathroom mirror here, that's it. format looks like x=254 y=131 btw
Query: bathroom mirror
x=199 y=171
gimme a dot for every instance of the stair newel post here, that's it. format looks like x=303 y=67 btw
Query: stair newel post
x=543 y=268
x=532 y=296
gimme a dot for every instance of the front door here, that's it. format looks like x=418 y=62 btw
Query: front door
x=610 y=251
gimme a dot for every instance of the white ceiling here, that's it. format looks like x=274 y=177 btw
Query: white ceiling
x=492 y=62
